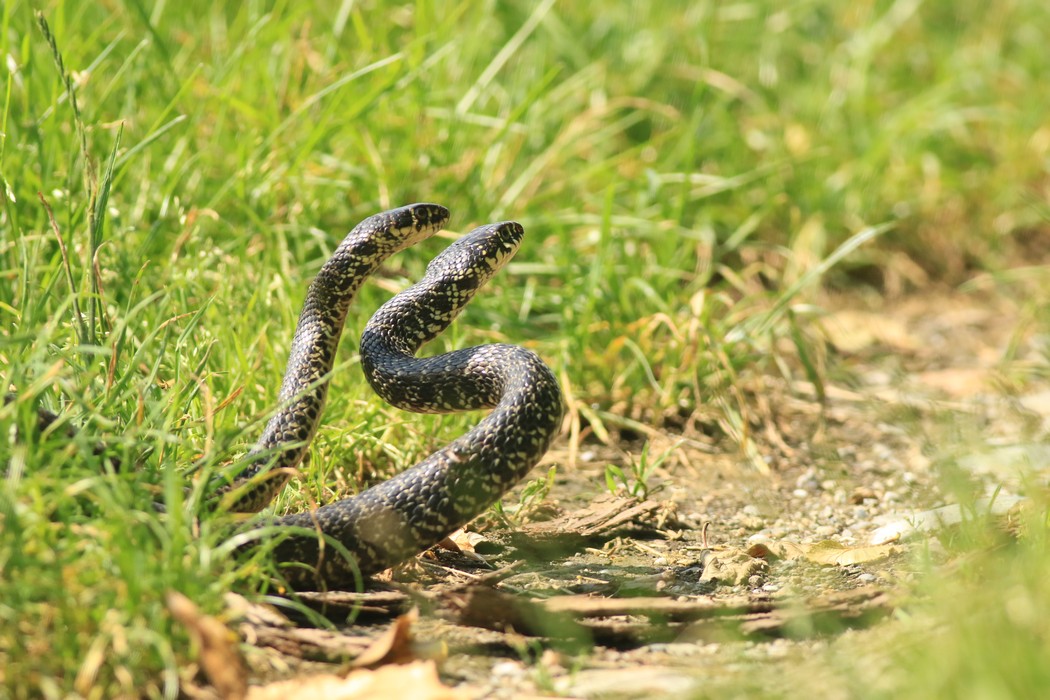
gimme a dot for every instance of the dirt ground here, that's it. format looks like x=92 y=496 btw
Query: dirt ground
x=721 y=571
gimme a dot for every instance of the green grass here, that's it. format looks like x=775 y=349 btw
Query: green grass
x=678 y=168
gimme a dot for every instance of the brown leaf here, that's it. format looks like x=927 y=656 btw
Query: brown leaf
x=462 y=541
x=218 y=654
x=395 y=646
x=830 y=552
x=418 y=680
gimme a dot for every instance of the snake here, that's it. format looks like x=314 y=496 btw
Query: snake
x=338 y=543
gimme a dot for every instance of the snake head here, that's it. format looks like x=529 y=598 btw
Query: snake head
x=408 y=225
x=479 y=254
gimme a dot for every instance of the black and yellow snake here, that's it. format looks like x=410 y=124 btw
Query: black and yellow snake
x=398 y=518
x=335 y=544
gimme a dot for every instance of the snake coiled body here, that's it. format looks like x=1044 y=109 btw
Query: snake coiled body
x=398 y=518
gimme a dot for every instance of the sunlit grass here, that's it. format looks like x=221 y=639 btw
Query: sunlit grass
x=680 y=169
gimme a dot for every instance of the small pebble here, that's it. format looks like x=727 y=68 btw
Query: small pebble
x=750 y=509
x=508 y=669
x=800 y=493
x=771 y=588
x=866 y=578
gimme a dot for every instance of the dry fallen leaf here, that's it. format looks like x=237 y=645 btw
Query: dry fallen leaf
x=418 y=681
x=827 y=552
x=393 y=646
x=218 y=655
x=397 y=646
x=462 y=541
